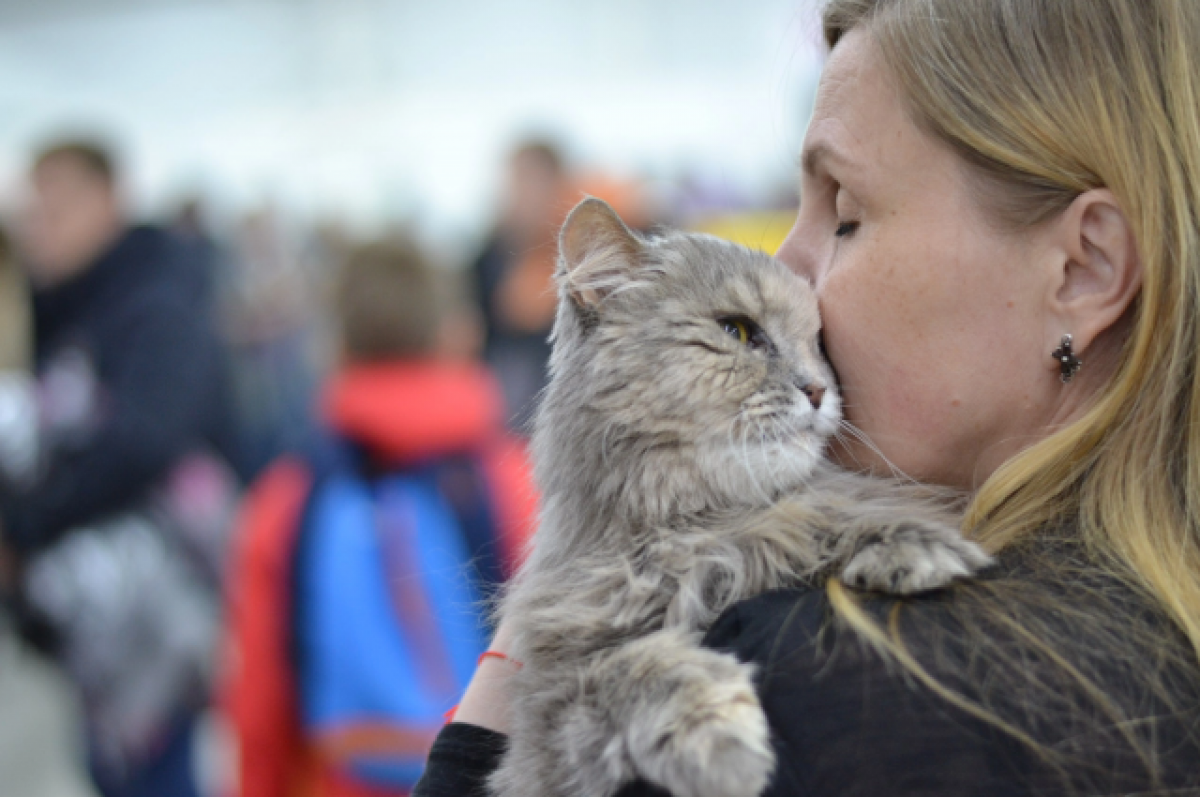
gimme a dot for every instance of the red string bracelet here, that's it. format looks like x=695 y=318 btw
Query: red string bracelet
x=487 y=654
x=495 y=654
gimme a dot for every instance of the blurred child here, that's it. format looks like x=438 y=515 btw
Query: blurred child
x=356 y=600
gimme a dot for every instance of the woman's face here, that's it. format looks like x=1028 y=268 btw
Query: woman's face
x=932 y=315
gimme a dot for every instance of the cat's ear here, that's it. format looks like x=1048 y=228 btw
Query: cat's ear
x=597 y=252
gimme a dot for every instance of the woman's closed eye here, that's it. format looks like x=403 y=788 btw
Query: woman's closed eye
x=845 y=228
x=845 y=208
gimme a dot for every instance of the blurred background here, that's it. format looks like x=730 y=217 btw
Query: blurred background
x=369 y=112
x=287 y=158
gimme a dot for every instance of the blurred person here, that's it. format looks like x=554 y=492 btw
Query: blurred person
x=514 y=273
x=269 y=302
x=355 y=599
x=38 y=715
x=126 y=501
x=18 y=434
x=190 y=226
x=14 y=311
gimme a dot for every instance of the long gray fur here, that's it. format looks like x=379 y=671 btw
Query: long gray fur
x=681 y=470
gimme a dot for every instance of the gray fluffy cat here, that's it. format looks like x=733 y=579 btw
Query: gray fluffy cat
x=678 y=449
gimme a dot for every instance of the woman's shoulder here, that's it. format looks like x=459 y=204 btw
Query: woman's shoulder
x=773 y=623
x=971 y=701
x=846 y=720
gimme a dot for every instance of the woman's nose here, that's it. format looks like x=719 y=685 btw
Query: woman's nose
x=798 y=257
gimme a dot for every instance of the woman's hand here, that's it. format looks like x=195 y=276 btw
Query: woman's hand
x=486 y=702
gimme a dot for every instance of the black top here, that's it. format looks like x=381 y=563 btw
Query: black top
x=846 y=722
x=519 y=358
x=136 y=331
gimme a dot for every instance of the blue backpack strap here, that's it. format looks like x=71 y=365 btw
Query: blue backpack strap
x=462 y=481
x=326 y=457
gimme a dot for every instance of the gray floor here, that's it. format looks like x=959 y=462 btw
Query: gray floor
x=39 y=749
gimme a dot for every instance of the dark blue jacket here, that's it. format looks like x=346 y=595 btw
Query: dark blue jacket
x=135 y=325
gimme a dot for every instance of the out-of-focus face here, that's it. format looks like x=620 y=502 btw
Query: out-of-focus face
x=932 y=315
x=533 y=197
x=72 y=216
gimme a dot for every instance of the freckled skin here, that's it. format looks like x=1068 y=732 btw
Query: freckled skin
x=931 y=313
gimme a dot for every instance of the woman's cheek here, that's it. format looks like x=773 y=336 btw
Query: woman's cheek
x=878 y=344
x=851 y=324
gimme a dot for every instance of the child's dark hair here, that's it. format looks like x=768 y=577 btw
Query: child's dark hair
x=389 y=302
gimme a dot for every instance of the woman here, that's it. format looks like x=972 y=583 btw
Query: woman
x=983 y=179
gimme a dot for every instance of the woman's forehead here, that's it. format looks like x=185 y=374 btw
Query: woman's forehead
x=863 y=134
x=858 y=110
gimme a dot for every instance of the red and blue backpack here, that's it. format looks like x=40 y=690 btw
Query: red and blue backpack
x=392 y=575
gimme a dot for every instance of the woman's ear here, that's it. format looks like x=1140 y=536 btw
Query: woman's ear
x=1098 y=271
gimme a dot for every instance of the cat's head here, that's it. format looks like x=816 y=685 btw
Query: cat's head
x=686 y=369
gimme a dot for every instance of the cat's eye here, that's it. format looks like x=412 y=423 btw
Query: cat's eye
x=736 y=328
x=745 y=331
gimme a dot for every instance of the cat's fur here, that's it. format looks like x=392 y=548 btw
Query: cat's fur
x=681 y=470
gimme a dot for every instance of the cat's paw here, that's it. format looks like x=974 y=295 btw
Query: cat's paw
x=914 y=558
x=717 y=746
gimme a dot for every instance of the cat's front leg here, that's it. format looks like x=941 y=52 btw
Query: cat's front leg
x=907 y=558
x=900 y=538
x=678 y=715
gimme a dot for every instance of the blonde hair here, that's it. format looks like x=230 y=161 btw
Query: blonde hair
x=1047 y=100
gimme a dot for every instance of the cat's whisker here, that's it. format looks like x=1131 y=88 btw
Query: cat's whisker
x=862 y=437
x=846 y=429
x=751 y=472
x=745 y=447
x=768 y=440
x=778 y=441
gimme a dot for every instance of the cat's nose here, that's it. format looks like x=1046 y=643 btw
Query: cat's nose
x=815 y=391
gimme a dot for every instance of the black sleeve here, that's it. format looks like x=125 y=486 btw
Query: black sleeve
x=843 y=722
x=846 y=722
x=462 y=758
x=158 y=396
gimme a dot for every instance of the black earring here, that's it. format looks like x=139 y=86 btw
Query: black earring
x=1068 y=363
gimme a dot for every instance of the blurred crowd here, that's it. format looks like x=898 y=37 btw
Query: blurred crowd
x=270 y=472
